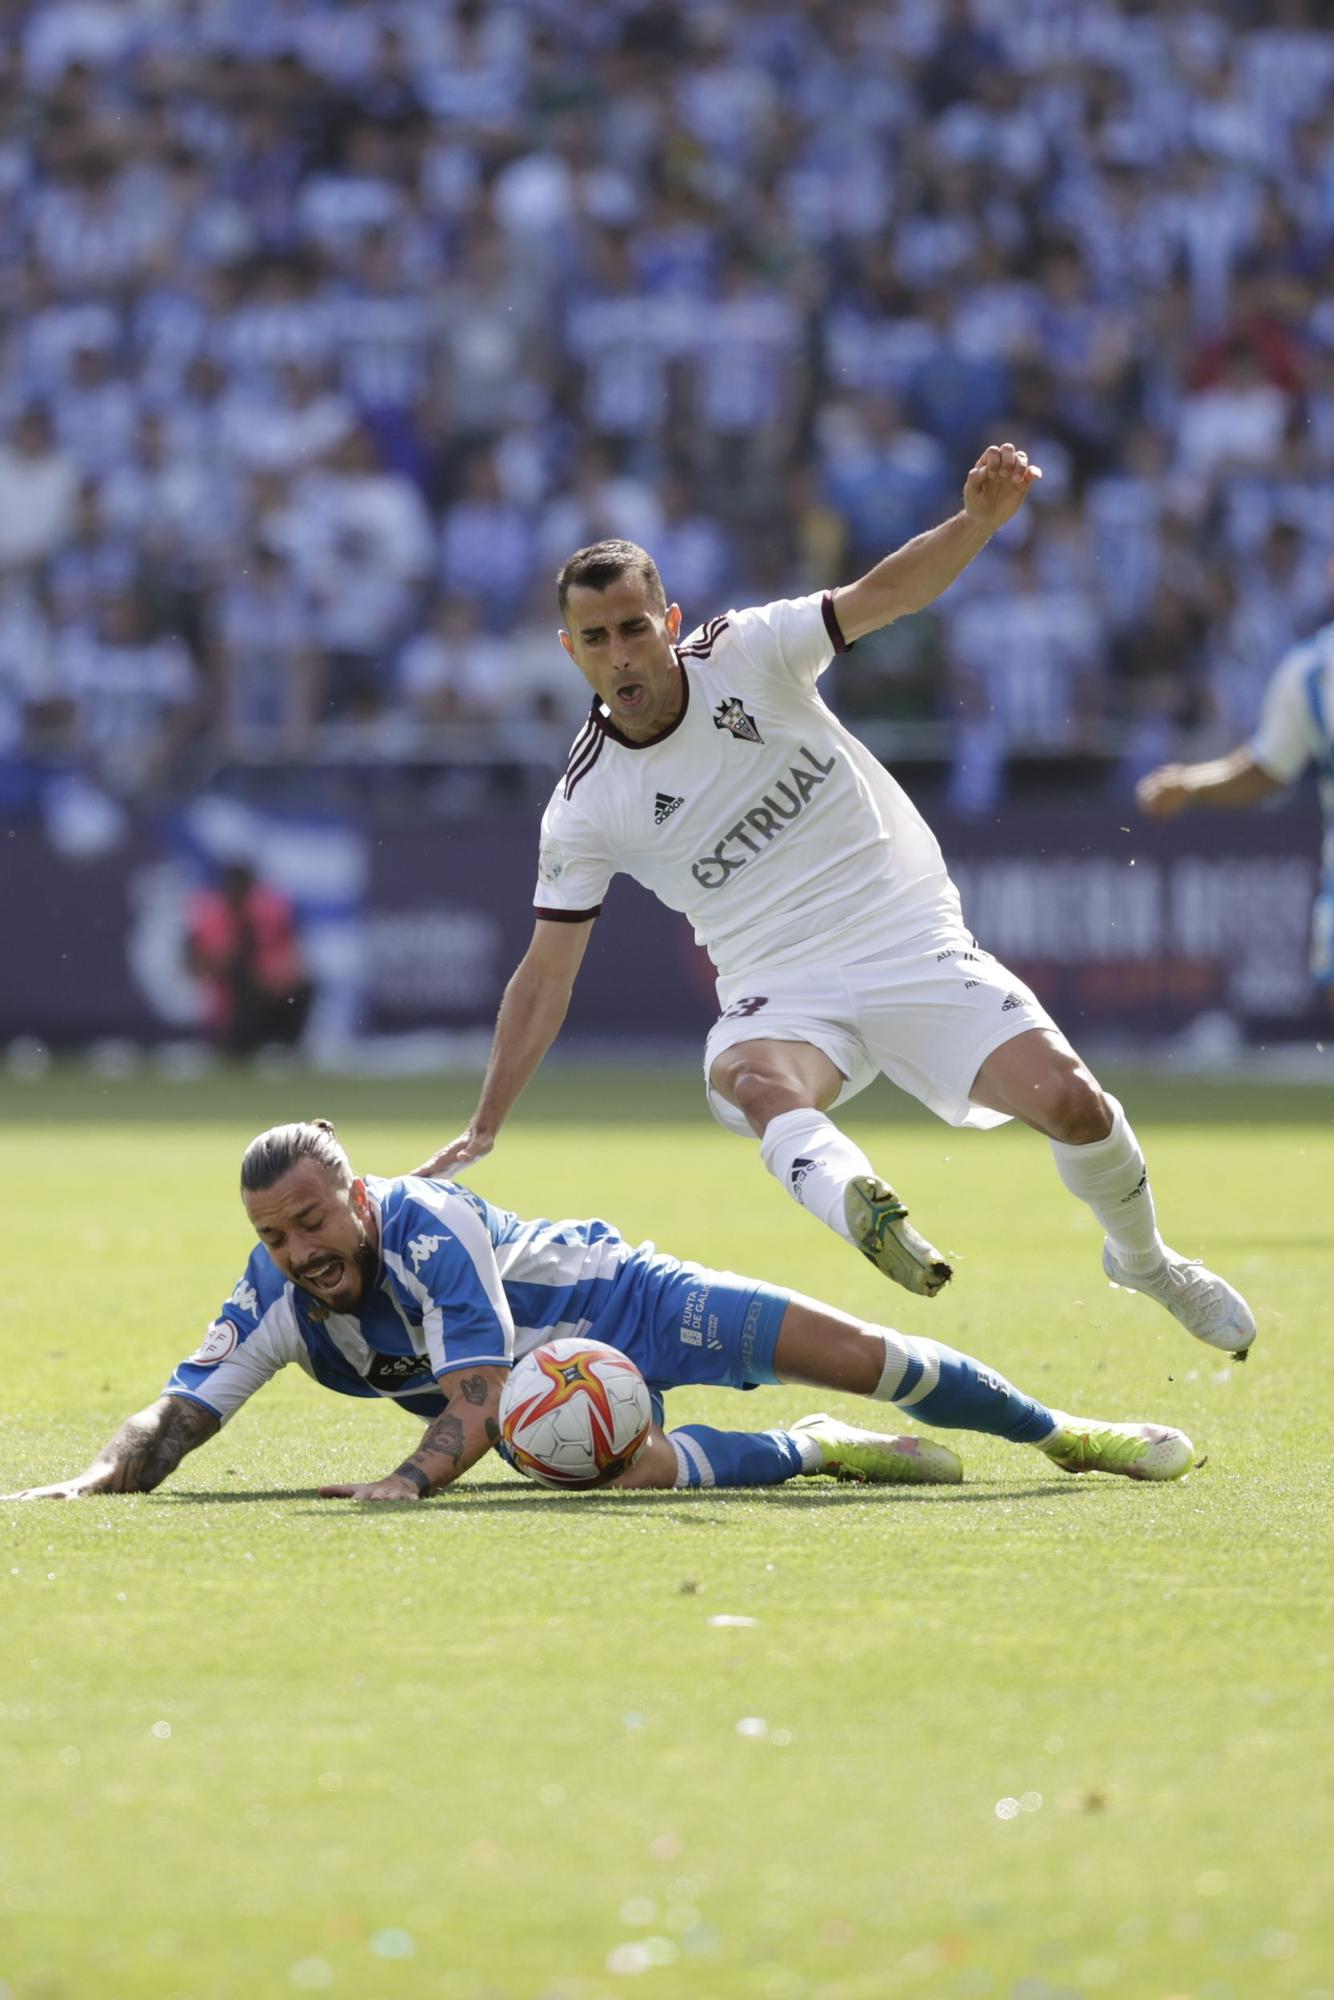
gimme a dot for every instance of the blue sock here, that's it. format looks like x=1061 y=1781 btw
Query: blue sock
x=733 y=1458
x=943 y=1387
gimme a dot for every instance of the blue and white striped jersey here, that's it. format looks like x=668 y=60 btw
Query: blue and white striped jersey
x=1296 y=726
x=462 y=1284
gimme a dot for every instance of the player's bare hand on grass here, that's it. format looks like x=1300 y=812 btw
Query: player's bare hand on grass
x=1162 y=795
x=998 y=484
x=64 y=1489
x=392 y=1488
x=465 y=1151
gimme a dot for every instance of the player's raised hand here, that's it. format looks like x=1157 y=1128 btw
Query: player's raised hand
x=1162 y=795
x=465 y=1151
x=392 y=1488
x=998 y=485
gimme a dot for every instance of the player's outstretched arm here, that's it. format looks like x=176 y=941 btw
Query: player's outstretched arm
x=915 y=575
x=535 y=1004
x=145 y=1449
x=466 y=1431
x=1236 y=780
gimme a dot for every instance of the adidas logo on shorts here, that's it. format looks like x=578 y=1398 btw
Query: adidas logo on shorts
x=1011 y=1000
x=664 y=806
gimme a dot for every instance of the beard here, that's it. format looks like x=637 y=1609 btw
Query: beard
x=356 y=1282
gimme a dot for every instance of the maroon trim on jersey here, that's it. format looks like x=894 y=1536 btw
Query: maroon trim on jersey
x=832 y=626
x=587 y=749
x=565 y=916
x=609 y=729
x=707 y=640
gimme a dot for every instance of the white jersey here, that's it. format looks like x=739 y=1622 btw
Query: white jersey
x=757 y=813
x=1296 y=726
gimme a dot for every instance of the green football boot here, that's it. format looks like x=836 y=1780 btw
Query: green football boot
x=880 y=1228
x=1136 y=1451
x=849 y=1453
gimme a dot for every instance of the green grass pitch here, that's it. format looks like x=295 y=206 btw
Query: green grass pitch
x=1028 y=1739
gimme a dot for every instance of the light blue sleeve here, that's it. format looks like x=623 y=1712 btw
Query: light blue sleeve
x=253 y=1336
x=439 y=1252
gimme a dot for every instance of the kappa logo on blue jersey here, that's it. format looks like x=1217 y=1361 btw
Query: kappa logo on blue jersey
x=422 y=1248
x=247 y=1298
x=729 y=714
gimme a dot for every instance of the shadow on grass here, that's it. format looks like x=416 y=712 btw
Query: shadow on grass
x=514 y=1498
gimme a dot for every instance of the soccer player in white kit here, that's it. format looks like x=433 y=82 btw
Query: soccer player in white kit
x=713 y=773
x=1296 y=728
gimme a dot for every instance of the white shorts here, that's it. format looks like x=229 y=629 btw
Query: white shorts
x=927 y=1019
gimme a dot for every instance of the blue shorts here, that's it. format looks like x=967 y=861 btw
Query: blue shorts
x=683 y=1323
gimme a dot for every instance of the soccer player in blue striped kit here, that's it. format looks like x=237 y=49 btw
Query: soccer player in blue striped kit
x=423 y=1293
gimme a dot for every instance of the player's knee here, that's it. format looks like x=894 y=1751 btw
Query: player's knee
x=653 y=1469
x=1078 y=1111
x=758 y=1089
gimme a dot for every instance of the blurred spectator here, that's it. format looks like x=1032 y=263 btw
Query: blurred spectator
x=38 y=487
x=266 y=666
x=242 y=946
x=486 y=544
x=134 y=693
x=455 y=672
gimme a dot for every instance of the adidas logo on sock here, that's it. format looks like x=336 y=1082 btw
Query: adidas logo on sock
x=664 y=806
x=797 y=1173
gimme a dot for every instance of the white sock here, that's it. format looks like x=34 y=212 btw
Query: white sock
x=1110 y=1175
x=812 y=1458
x=814 y=1161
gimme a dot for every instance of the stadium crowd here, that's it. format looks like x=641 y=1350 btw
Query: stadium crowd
x=330 y=329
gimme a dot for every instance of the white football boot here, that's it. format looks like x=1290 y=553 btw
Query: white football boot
x=879 y=1225
x=1136 y=1451
x=849 y=1453
x=1205 y=1304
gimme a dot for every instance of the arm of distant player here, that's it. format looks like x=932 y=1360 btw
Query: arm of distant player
x=535 y=1004
x=915 y=575
x=1236 y=780
x=469 y=1428
x=145 y=1449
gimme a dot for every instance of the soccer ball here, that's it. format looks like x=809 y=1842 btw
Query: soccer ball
x=575 y=1413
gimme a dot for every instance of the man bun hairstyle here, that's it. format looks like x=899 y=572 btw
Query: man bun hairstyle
x=275 y=1152
x=602 y=563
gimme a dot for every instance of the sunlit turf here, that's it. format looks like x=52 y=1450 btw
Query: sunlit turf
x=1031 y=1737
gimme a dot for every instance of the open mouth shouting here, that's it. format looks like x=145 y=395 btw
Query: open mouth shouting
x=326 y=1274
x=629 y=697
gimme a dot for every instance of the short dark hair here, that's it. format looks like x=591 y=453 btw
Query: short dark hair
x=602 y=562
x=275 y=1152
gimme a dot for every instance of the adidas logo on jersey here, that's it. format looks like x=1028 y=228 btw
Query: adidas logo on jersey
x=664 y=806
x=1011 y=1000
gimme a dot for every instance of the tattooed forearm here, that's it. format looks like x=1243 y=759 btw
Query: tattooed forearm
x=474 y=1389
x=149 y=1446
x=444 y=1438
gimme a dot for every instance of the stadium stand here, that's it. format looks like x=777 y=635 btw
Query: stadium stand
x=331 y=328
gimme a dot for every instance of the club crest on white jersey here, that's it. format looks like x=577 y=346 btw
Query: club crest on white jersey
x=730 y=715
